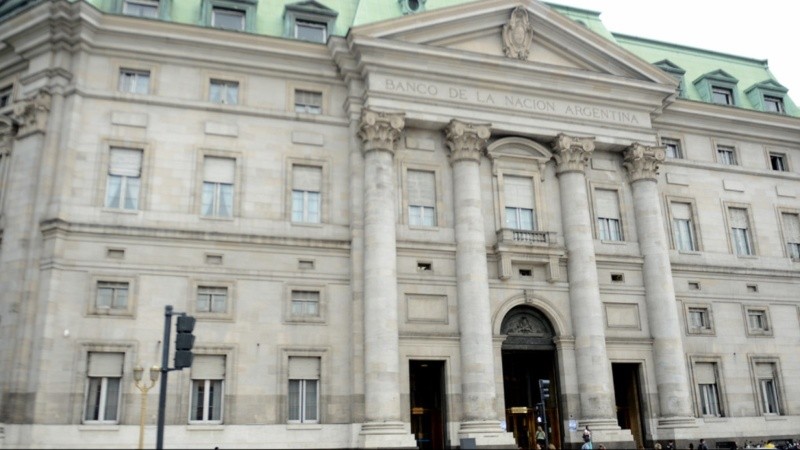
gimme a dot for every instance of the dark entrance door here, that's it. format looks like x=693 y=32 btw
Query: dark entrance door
x=529 y=356
x=628 y=400
x=428 y=404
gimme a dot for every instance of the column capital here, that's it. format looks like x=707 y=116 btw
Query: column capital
x=380 y=130
x=642 y=161
x=572 y=153
x=31 y=113
x=466 y=140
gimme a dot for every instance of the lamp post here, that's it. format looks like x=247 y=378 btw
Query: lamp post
x=138 y=371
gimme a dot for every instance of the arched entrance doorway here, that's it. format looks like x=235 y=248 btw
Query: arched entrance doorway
x=529 y=355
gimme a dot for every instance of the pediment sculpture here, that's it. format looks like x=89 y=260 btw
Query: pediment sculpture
x=518 y=34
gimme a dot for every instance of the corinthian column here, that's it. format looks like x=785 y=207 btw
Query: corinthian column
x=594 y=380
x=383 y=427
x=467 y=142
x=671 y=377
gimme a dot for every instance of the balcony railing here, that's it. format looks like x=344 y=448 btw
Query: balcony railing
x=524 y=237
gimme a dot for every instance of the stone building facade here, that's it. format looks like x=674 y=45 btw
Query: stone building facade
x=390 y=221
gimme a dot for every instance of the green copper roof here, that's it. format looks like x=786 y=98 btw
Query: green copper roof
x=752 y=76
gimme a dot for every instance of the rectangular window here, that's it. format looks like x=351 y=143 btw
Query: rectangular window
x=218 y=179
x=134 y=81
x=740 y=231
x=698 y=319
x=112 y=295
x=519 y=203
x=774 y=104
x=308 y=102
x=757 y=320
x=304 y=374
x=706 y=378
x=212 y=299
x=227 y=19
x=683 y=226
x=140 y=8
x=726 y=155
x=223 y=92
x=777 y=161
x=310 y=31
x=103 y=387
x=608 y=215
x=5 y=96
x=421 y=198
x=721 y=95
x=208 y=377
x=791 y=231
x=766 y=377
x=124 y=178
x=305 y=303
x=306 y=194
x=673 y=147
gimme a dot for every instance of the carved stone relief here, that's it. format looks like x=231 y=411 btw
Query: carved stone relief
x=518 y=34
x=642 y=162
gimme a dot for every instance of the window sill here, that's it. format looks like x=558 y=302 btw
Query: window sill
x=305 y=321
x=121 y=211
x=774 y=417
x=701 y=332
x=214 y=317
x=217 y=218
x=216 y=426
x=308 y=224
x=690 y=252
x=747 y=256
x=114 y=314
x=99 y=427
x=303 y=426
x=712 y=419
x=613 y=242
x=423 y=227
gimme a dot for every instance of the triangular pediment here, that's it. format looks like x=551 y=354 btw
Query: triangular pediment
x=311 y=7
x=503 y=28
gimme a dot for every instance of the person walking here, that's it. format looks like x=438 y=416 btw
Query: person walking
x=702 y=445
x=587 y=442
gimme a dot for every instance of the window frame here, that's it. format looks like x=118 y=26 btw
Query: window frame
x=236 y=189
x=224 y=81
x=707 y=83
x=623 y=225
x=124 y=179
x=325 y=190
x=751 y=230
x=438 y=214
x=318 y=14
x=768 y=92
x=246 y=7
x=80 y=384
x=322 y=306
x=291 y=92
x=678 y=146
x=535 y=180
x=784 y=237
x=94 y=281
x=230 y=301
x=784 y=158
x=695 y=227
x=307 y=108
x=763 y=312
x=774 y=361
x=727 y=148
x=126 y=71
x=163 y=8
x=722 y=403
x=226 y=384
x=707 y=308
x=304 y=352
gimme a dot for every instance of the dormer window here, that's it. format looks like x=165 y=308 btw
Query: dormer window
x=140 y=8
x=309 y=21
x=718 y=87
x=767 y=96
x=234 y=15
x=677 y=72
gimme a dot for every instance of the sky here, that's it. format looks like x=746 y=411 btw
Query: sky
x=767 y=29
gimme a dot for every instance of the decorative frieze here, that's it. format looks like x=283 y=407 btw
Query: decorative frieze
x=572 y=153
x=466 y=140
x=518 y=34
x=642 y=161
x=380 y=130
x=31 y=113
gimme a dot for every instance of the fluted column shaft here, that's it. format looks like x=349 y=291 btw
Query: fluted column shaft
x=379 y=132
x=594 y=380
x=467 y=143
x=671 y=377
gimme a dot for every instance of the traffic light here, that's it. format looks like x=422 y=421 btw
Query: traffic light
x=184 y=340
x=544 y=389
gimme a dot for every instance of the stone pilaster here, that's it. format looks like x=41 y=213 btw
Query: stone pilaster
x=593 y=367
x=467 y=142
x=672 y=380
x=383 y=427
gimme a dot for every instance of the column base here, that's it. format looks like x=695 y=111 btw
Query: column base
x=486 y=434
x=386 y=435
x=677 y=422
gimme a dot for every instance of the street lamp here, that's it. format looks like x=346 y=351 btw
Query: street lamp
x=138 y=371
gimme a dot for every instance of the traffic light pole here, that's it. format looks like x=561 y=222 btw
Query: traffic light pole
x=162 y=394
